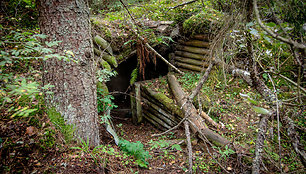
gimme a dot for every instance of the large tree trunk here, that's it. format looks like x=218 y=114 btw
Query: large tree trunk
x=75 y=85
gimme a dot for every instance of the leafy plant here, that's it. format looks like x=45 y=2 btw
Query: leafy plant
x=85 y=148
x=21 y=92
x=226 y=152
x=136 y=150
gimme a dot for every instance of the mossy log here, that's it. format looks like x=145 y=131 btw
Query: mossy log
x=103 y=44
x=172 y=118
x=197 y=122
x=190 y=49
x=196 y=43
x=191 y=61
x=104 y=88
x=164 y=100
x=110 y=59
x=203 y=37
x=191 y=55
x=156 y=119
x=136 y=104
x=152 y=121
x=189 y=67
x=159 y=115
x=104 y=64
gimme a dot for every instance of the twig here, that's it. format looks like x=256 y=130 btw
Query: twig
x=185 y=3
x=289 y=80
x=276 y=36
x=189 y=147
x=201 y=81
x=278 y=130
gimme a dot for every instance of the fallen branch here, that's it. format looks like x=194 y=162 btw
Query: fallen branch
x=188 y=108
x=189 y=147
x=183 y=4
x=276 y=36
x=262 y=129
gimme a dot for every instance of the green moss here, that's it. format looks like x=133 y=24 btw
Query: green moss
x=134 y=76
x=59 y=123
x=105 y=65
x=103 y=88
x=203 y=22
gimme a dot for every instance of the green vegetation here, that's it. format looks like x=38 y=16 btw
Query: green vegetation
x=59 y=122
x=136 y=150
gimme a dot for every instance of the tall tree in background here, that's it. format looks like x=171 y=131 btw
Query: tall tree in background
x=75 y=85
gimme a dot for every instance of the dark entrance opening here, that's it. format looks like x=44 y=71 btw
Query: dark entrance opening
x=119 y=86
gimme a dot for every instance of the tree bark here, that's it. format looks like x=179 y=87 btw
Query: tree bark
x=74 y=94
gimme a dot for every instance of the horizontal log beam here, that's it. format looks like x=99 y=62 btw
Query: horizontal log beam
x=189 y=67
x=191 y=61
x=190 y=49
x=195 y=43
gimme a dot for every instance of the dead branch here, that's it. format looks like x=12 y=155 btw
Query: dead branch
x=195 y=119
x=201 y=82
x=276 y=36
x=189 y=147
x=262 y=129
x=185 y=3
x=277 y=117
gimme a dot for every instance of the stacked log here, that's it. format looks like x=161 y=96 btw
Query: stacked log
x=155 y=107
x=192 y=55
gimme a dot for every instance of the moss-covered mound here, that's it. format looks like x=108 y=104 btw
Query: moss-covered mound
x=206 y=21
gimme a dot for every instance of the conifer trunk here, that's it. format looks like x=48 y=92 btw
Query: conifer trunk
x=74 y=94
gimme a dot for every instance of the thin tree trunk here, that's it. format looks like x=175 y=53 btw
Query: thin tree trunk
x=74 y=94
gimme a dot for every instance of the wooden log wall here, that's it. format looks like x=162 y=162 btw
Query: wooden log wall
x=155 y=107
x=193 y=55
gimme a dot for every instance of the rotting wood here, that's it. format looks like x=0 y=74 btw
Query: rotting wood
x=203 y=37
x=210 y=120
x=189 y=67
x=190 y=55
x=165 y=114
x=164 y=100
x=195 y=43
x=262 y=129
x=198 y=122
x=160 y=116
x=138 y=104
x=147 y=44
x=156 y=119
x=110 y=59
x=191 y=61
x=193 y=49
x=153 y=121
x=103 y=44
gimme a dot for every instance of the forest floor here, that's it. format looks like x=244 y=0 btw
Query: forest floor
x=26 y=152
